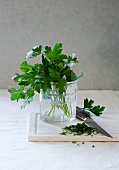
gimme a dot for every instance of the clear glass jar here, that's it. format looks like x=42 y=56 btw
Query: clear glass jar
x=58 y=108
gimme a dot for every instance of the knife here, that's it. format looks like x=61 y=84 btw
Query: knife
x=80 y=114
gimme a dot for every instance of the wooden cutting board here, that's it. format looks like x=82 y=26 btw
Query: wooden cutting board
x=40 y=131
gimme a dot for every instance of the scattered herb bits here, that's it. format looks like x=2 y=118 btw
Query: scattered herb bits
x=79 y=129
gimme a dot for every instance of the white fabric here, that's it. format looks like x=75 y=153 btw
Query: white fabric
x=16 y=153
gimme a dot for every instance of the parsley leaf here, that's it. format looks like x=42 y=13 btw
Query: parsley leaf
x=29 y=93
x=70 y=75
x=57 y=49
x=17 y=94
x=55 y=54
x=97 y=110
x=61 y=85
x=45 y=63
x=48 y=52
x=23 y=80
x=88 y=105
x=54 y=74
x=25 y=67
x=36 y=51
x=73 y=76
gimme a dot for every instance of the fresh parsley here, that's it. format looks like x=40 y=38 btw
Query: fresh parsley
x=55 y=67
x=88 y=106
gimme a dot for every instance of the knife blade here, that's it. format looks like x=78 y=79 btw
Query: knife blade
x=80 y=114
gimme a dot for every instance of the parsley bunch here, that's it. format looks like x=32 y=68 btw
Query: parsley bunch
x=55 y=67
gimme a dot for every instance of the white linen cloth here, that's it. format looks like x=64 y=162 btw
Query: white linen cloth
x=16 y=153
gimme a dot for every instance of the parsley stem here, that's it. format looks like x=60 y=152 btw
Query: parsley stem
x=63 y=106
x=53 y=111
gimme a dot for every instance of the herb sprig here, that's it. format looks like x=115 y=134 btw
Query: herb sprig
x=88 y=106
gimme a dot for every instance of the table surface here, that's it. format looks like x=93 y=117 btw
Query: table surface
x=17 y=153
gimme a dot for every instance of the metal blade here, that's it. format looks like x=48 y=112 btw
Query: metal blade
x=89 y=121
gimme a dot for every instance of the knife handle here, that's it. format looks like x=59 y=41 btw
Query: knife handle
x=80 y=114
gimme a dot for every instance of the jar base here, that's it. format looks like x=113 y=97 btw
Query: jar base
x=56 y=119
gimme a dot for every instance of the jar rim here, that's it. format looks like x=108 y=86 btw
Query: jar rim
x=69 y=82
x=72 y=82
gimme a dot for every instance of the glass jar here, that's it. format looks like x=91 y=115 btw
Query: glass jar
x=58 y=108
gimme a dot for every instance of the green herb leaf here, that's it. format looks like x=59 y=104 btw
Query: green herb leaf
x=69 y=74
x=60 y=65
x=97 y=110
x=55 y=54
x=57 y=49
x=45 y=63
x=23 y=80
x=48 y=52
x=26 y=67
x=17 y=94
x=73 y=76
x=88 y=103
x=61 y=85
x=29 y=93
x=46 y=86
x=53 y=74
x=88 y=106
x=37 y=49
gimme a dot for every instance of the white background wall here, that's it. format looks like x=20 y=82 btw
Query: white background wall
x=88 y=27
